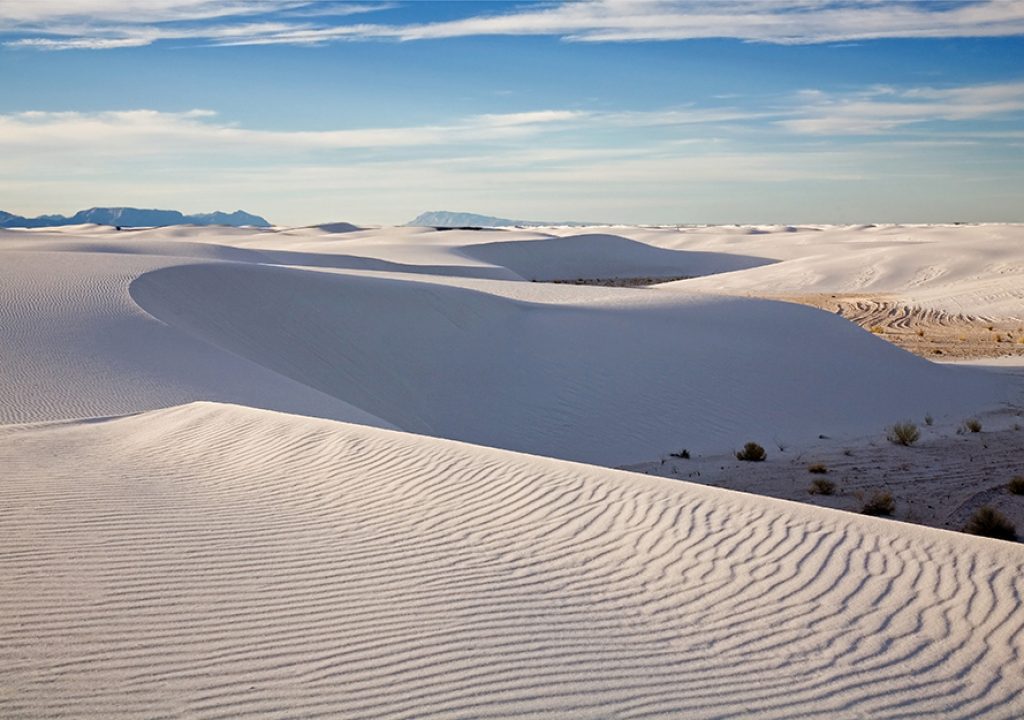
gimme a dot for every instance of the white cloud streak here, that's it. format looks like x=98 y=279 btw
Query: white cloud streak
x=883 y=110
x=774 y=21
x=137 y=133
x=69 y=24
x=875 y=111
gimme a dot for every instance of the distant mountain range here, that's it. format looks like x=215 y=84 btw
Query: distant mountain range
x=447 y=219
x=133 y=217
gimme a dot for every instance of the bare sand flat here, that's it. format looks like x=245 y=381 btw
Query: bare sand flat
x=324 y=472
x=940 y=481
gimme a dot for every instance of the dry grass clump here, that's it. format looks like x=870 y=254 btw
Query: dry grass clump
x=817 y=469
x=973 y=424
x=751 y=452
x=991 y=523
x=821 y=486
x=881 y=503
x=904 y=433
x=1016 y=485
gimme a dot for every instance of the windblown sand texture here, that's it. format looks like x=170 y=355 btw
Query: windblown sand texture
x=267 y=473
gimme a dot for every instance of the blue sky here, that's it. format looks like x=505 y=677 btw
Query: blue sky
x=637 y=111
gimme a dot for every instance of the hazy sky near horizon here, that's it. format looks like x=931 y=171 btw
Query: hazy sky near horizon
x=633 y=111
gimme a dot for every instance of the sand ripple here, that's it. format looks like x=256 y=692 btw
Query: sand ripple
x=210 y=561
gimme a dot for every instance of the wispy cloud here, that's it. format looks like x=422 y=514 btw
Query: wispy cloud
x=884 y=109
x=147 y=132
x=105 y=24
x=65 y=24
x=872 y=111
x=774 y=21
x=41 y=12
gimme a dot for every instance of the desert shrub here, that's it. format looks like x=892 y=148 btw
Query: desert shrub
x=973 y=424
x=881 y=503
x=991 y=523
x=904 y=433
x=817 y=469
x=684 y=454
x=1016 y=485
x=821 y=486
x=751 y=452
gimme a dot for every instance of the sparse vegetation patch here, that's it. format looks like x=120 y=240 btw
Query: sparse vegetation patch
x=751 y=452
x=904 y=433
x=817 y=469
x=1016 y=485
x=991 y=523
x=973 y=424
x=881 y=503
x=821 y=486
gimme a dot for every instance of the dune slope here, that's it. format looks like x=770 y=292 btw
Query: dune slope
x=212 y=561
x=608 y=382
x=74 y=344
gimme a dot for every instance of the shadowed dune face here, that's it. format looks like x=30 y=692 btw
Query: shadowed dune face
x=603 y=256
x=214 y=561
x=609 y=383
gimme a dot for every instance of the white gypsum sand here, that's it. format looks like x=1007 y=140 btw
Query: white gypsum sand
x=220 y=497
x=217 y=561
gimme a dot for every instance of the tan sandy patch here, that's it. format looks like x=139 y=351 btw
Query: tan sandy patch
x=927 y=332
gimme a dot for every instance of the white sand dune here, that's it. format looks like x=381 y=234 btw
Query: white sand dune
x=74 y=344
x=597 y=255
x=975 y=270
x=606 y=382
x=187 y=530
x=213 y=561
x=595 y=374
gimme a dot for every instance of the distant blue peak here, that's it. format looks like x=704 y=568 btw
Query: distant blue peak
x=133 y=217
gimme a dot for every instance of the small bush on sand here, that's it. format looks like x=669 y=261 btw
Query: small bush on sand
x=1016 y=485
x=821 y=486
x=990 y=523
x=973 y=424
x=881 y=503
x=904 y=433
x=817 y=469
x=751 y=452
